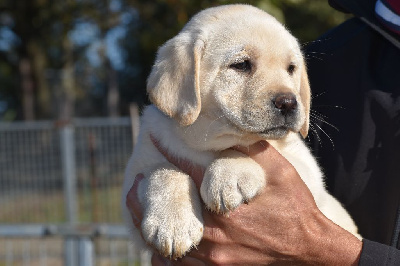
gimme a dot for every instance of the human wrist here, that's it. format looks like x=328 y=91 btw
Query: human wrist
x=333 y=245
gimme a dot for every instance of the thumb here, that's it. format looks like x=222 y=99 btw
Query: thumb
x=275 y=165
x=133 y=204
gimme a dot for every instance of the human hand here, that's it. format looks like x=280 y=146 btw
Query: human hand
x=281 y=225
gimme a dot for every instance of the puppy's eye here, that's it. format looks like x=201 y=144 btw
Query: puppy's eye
x=291 y=68
x=242 y=66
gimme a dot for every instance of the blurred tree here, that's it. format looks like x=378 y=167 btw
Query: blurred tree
x=27 y=57
x=64 y=58
x=40 y=65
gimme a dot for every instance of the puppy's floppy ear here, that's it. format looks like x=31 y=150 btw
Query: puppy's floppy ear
x=174 y=85
x=305 y=95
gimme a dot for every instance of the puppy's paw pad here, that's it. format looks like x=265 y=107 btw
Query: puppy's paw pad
x=229 y=182
x=172 y=236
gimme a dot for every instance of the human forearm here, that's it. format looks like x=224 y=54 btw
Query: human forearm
x=329 y=244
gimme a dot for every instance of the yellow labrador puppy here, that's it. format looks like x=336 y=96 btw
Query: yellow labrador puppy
x=233 y=76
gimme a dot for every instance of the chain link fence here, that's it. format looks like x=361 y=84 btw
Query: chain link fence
x=60 y=189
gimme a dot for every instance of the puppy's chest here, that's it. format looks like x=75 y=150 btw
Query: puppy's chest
x=298 y=154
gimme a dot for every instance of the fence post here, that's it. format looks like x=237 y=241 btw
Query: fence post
x=67 y=143
x=70 y=251
x=69 y=173
x=86 y=251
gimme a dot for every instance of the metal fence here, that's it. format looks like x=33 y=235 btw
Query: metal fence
x=60 y=189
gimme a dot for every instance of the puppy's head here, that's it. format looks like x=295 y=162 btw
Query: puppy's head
x=238 y=66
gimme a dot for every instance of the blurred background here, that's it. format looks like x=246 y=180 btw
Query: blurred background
x=72 y=83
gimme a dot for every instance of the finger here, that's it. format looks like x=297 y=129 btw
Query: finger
x=196 y=172
x=158 y=260
x=275 y=165
x=132 y=202
x=190 y=261
x=264 y=154
x=254 y=149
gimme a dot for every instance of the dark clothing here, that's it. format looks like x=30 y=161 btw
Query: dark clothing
x=355 y=79
x=376 y=254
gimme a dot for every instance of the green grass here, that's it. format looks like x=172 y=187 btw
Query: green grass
x=97 y=205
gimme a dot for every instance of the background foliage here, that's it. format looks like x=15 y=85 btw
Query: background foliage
x=65 y=58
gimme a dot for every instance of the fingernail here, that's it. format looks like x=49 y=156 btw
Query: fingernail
x=160 y=260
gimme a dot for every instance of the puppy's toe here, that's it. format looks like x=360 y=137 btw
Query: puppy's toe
x=250 y=183
x=172 y=236
x=229 y=182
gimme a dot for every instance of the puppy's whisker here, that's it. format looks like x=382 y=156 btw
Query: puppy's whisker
x=321 y=119
x=314 y=96
x=316 y=53
x=315 y=133
x=241 y=137
x=318 y=114
x=326 y=134
x=311 y=56
x=331 y=106
x=209 y=126
x=315 y=41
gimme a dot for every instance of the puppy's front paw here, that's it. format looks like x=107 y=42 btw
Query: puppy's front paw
x=230 y=181
x=172 y=221
x=172 y=234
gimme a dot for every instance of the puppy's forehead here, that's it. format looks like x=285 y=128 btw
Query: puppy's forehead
x=241 y=27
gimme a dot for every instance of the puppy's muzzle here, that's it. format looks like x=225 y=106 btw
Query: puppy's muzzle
x=286 y=103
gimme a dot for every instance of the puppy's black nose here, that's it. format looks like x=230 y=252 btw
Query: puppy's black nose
x=285 y=102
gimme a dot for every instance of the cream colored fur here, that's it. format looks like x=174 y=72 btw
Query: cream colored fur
x=202 y=105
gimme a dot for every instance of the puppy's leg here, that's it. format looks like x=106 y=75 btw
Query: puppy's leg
x=172 y=221
x=230 y=180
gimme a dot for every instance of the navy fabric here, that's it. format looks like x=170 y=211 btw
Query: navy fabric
x=365 y=10
x=354 y=74
x=376 y=254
